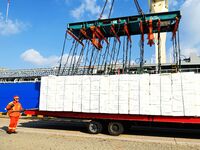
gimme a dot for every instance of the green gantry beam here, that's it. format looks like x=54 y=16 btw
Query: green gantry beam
x=168 y=21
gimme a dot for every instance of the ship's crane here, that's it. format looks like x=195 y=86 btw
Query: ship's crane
x=140 y=12
x=157 y=6
x=99 y=42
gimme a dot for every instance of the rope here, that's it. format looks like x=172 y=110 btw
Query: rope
x=76 y=44
x=88 y=47
x=80 y=58
x=117 y=55
x=104 y=55
x=159 y=54
x=73 y=43
x=126 y=56
x=100 y=55
x=174 y=57
x=114 y=52
x=103 y=9
x=138 y=7
x=95 y=59
x=123 y=55
x=179 y=51
x=129 y=64
x=62 y=53
x=111 y=8
x=90 y=63
x=141 y=54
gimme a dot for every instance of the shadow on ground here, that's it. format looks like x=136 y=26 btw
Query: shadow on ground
x=4 y=128
x=57 y=124
x=159 y=130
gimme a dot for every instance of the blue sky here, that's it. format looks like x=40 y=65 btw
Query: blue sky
x=34 y=33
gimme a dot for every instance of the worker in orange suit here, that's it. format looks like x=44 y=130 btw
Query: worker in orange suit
x=14 y=108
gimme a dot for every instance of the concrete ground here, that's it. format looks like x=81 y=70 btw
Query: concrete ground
x=65 y=134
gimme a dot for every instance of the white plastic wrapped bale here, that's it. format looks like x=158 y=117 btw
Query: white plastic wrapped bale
x=86 y=93
x=51 y=93
x=95 y=94
x=144 y=94
x=113 y=102
x=154 y=89
x=60 y=85
x=134 y=94
x=43 y=93
x=104 y=93
x=68 y=93
x=166 y=95
x=189 y=94
x=177 y=95
x=197 y=91
x=123 y=94
x=154 y=95
x=77 y=96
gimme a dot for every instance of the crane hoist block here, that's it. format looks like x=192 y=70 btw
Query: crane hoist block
x=168 y=23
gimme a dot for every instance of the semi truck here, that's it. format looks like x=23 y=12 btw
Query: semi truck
x=116 y=102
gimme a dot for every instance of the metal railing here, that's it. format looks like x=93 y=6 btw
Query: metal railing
x=36 y=74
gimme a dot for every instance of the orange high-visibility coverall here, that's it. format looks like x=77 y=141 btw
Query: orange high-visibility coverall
x=14 y=109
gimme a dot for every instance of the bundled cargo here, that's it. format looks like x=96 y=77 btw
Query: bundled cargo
x=146 y=94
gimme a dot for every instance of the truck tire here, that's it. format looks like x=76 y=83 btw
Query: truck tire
x=95 y=127
x=115 y=128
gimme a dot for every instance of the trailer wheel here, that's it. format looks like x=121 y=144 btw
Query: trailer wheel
x=95 y=127
x=115 y=128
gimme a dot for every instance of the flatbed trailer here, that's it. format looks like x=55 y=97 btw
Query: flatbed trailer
x=115 y=123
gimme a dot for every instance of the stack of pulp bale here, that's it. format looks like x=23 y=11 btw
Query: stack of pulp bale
x=146 y=94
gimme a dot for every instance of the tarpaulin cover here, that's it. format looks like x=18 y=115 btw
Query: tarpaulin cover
x=29 y=93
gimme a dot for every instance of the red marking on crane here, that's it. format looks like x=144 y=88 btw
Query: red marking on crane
x=98 y=30
x=127 y=31
x=159 y=28
x=175 y=28
x=112 y=29
x=84 y=33
x=96 y=38
x=150 y=34
x=75 y=37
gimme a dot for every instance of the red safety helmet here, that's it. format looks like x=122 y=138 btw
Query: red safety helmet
x=16 y=97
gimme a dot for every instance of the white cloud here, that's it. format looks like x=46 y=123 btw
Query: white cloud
x=190 y=27
x=34 y=57
x=78 y=12
x=10 y=27
x=187 y=52
x=90 y=8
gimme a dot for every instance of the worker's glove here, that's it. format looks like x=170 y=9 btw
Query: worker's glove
x=23 y=110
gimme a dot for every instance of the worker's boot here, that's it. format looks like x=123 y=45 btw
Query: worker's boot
x=13 y=131
x=9 y=131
